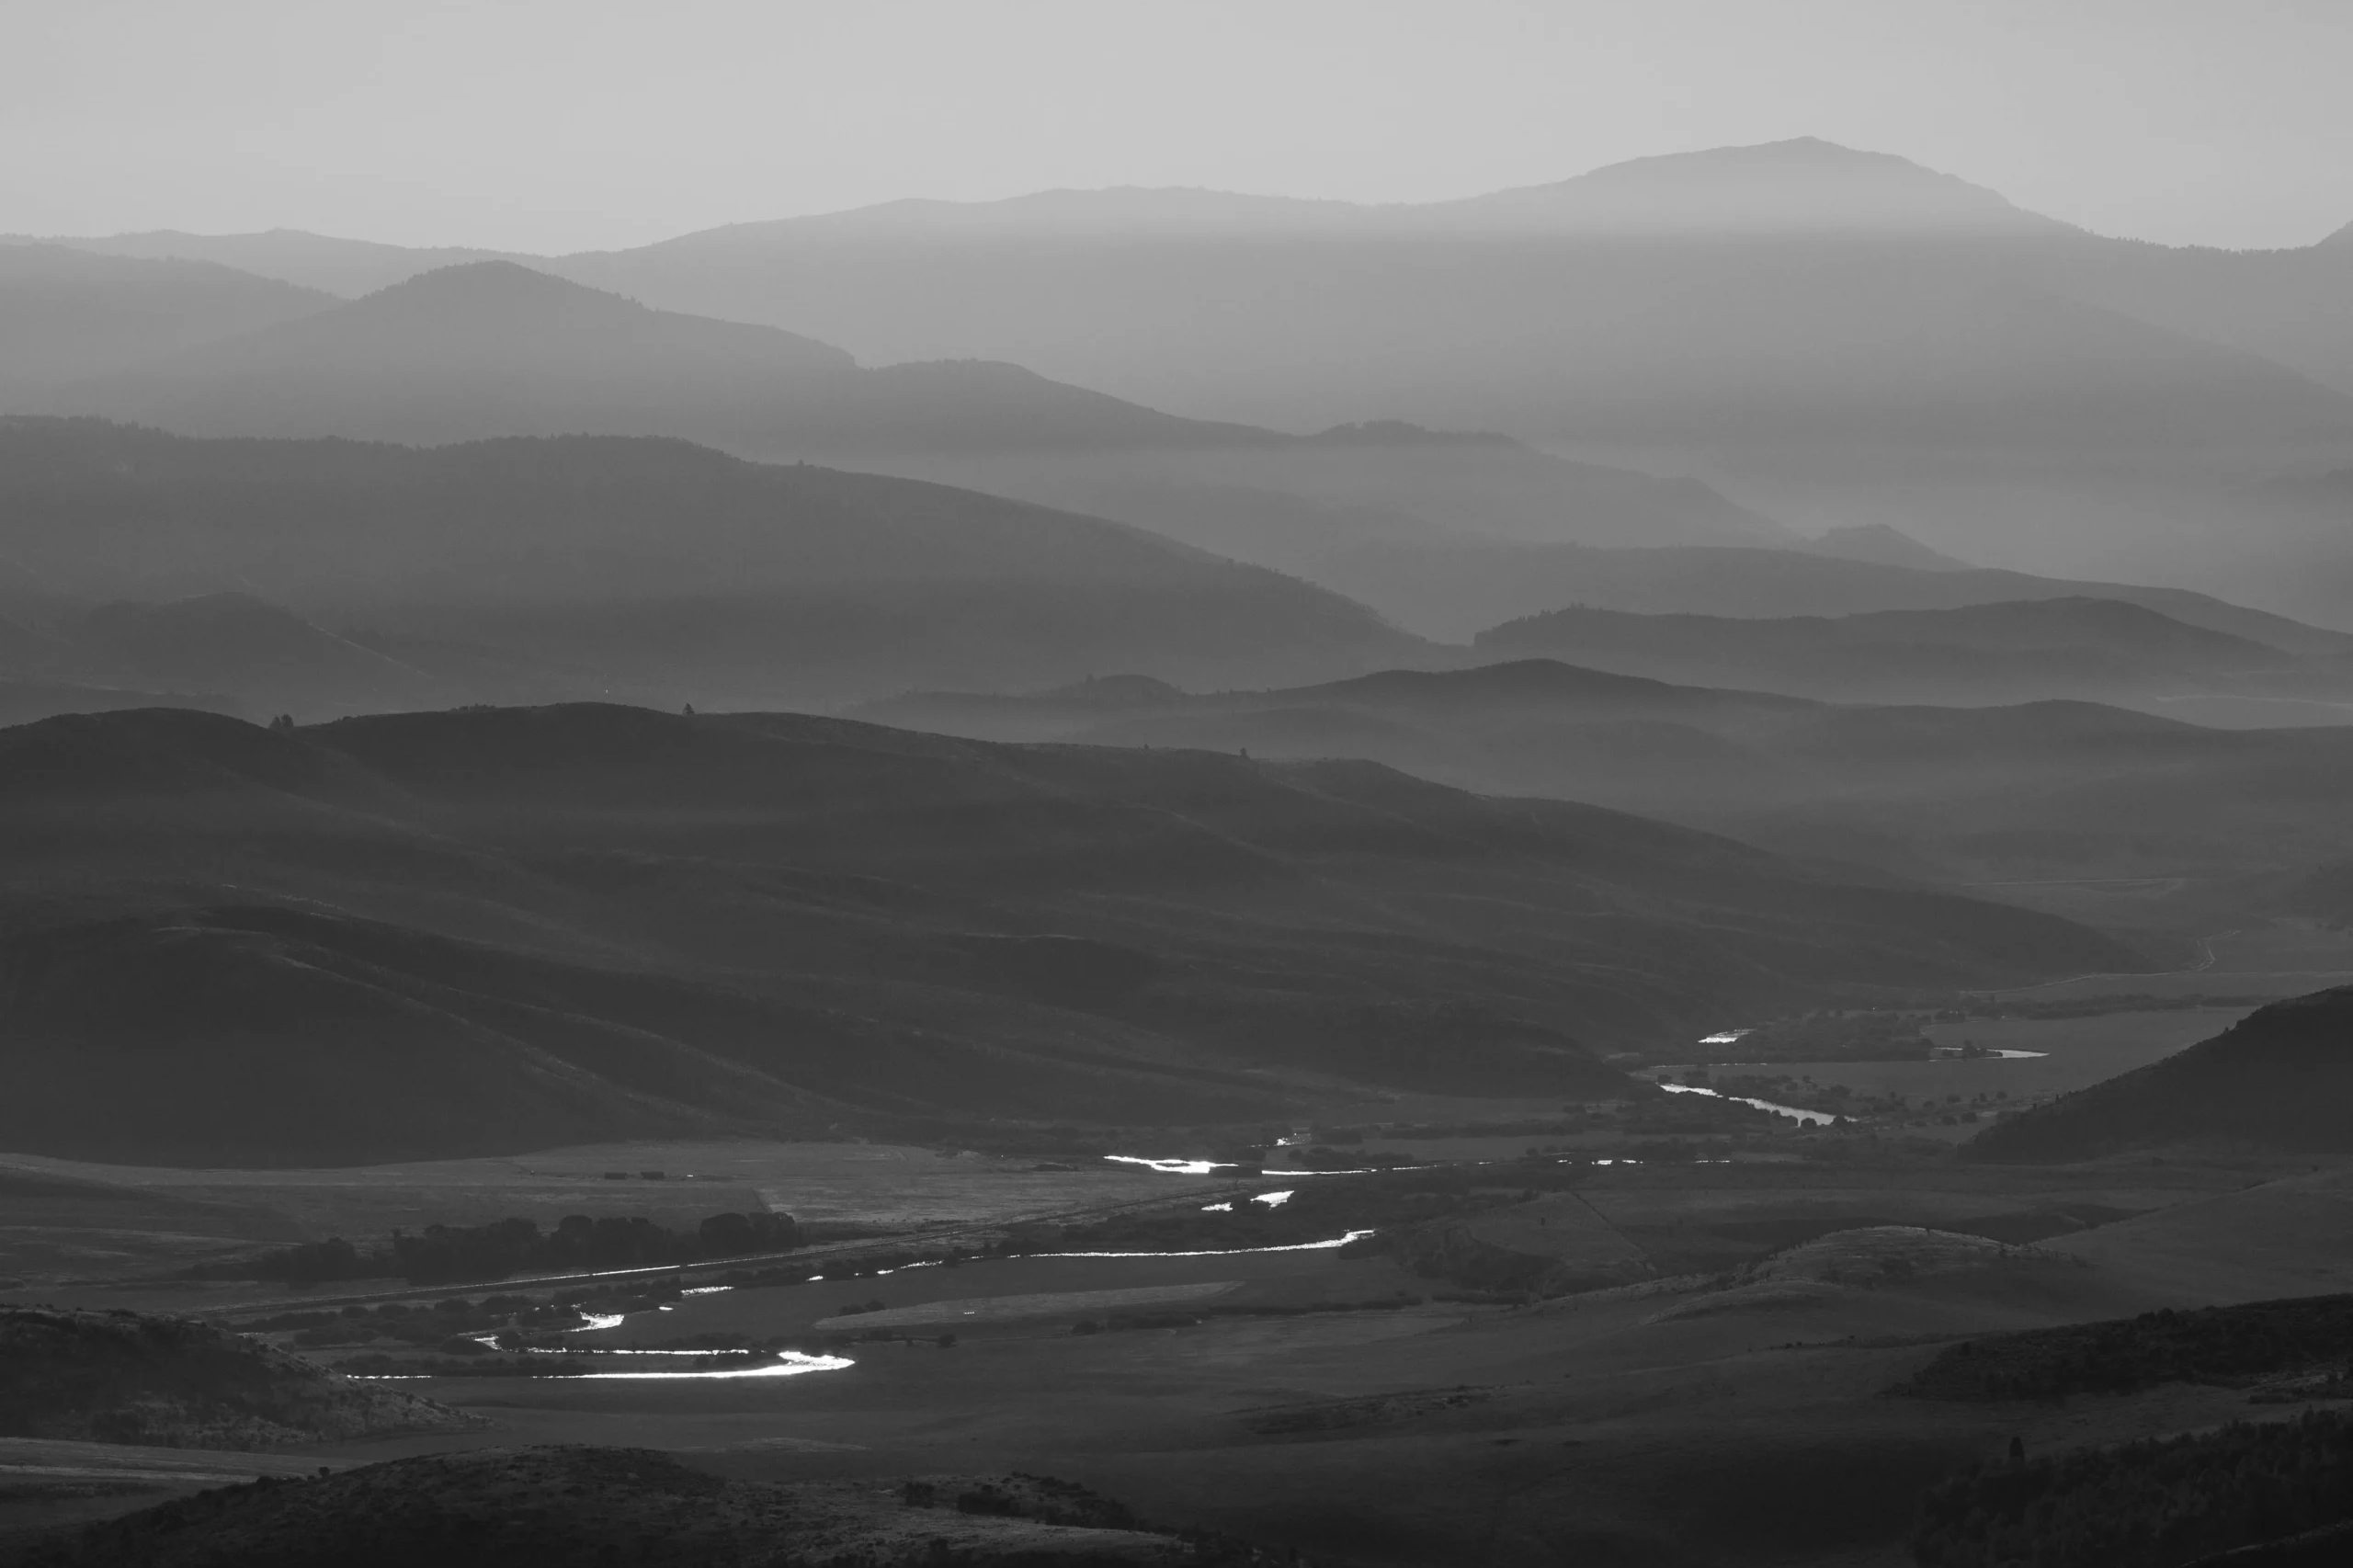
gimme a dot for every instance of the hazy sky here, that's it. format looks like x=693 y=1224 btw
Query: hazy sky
x=564 y=124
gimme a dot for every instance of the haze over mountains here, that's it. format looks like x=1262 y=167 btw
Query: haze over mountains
x=2095 y=649
x=585 y=564
x=1831 y=336
x=2044 y=789
x=64 y=314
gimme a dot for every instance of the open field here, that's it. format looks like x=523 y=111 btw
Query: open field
x=1723 y=1407
x=1615 y=1426
x=1672 y=1421
x=71 y=1222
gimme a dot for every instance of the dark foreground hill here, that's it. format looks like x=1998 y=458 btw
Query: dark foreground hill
x=430 y=934
x=2279 y=1079
x=593 y=566
x=2245 y=1496
x=626 y=1508
x=175 y=1382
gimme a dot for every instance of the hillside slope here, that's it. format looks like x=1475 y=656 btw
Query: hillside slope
x=1459 y=590
x=628 y=1507
x=643 y=567
x=121 y=1376
x=434 y=934
x=2042 y=790
x=2088 y=649
x=2278 y=1080
x=491 y=349
x=65 y=314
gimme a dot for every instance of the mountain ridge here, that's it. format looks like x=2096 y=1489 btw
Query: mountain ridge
x=534 y=926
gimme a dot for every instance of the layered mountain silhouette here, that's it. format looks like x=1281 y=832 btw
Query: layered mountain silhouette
x=491 y=349
x=2277 y=1080
x=2105 y=649
x=1827 y=334
x=65 y=314
x=504 y=928
x=2044 y=789
x=346 y=269
x=587 y=565
x=1464 y=587
x=1801 y=186
x=1824 y=334
x=1667 y=297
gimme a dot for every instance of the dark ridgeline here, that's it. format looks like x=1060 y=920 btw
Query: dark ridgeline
x=327 y=576
x=473 y=931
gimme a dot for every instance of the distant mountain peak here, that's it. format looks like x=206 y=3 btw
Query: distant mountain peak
x=1402 y=433
x=1801 y=185
x=504 y=280
x=497 y=319
x=2341 y=240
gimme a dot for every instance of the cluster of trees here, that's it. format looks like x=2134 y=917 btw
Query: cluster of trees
x=2159 y=1502
x=450 y=1254
x=2124 y=1353
x=1830 y=1035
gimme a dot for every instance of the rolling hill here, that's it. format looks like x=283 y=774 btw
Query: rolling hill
x=630 y=1508
x=491 y=349
x=120 y=1377
x=1820 y=288
x=2277 y=1081
x=2087 y=649
x=501 y=928
x=2046 y=789
x=1458 y=589
x=586 y=566
x=65 y=314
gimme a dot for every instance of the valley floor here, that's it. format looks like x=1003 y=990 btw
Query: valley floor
x=1727 y=1405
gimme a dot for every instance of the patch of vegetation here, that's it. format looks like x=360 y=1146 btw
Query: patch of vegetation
x=2153 y=1503
x=625 y=1509
x=1831 y=1035
x=2122 y=1354
x=453 y=1253
x=173 y=1382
